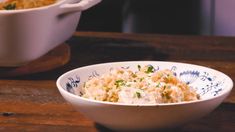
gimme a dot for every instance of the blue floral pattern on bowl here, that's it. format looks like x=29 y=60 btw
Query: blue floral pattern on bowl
x=207 y=84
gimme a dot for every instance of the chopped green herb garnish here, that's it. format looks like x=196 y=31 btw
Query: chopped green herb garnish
x=138 y=94
x=11 y=6
x=164 y=87
x=158 y=85
x=119 y=83
x=150 y=69
x=128 y=85
x=141 y=79
x=139 y=67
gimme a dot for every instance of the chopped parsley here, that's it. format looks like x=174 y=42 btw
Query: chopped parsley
x=141 y=79
x=150 y=69
x=138 y=94
x=10 y=6
x=164 y=87
x=119 y=83
x=139 y=67
x=158 y=85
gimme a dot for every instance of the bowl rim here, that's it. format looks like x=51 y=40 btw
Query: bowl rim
x=58 y=2
x=63 y=91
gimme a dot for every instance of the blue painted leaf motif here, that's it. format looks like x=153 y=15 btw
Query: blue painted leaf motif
x=213 y=87
x=68 y=86
x=173 y=69
x=206 y=77
x=206 y=89
x=216 y=92
x=209 y=79
x=217 y=88
x=156 y=68
x=125 y=67
x=189 y=76
x=72 y=83
x=93 y=74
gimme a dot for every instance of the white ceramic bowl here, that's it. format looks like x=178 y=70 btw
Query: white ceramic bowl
x=27 y=34
x=212 y=85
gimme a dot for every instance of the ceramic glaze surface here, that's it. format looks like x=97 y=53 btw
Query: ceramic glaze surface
x=28 y=34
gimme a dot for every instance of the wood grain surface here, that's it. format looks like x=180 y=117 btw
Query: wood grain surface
x=57 y=57
x=31 y=102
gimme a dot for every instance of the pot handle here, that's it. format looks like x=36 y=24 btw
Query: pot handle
x=77 y=7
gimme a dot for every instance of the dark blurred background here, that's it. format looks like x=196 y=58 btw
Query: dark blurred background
x=193 y=17
x=106 y=16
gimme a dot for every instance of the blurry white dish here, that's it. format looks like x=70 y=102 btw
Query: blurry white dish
x=212 y=86
x=27 y=34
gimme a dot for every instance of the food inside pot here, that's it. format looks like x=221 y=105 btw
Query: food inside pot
x=146 y=86
x=24 y=4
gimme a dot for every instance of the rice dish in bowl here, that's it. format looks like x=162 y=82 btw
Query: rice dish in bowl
x=130 y=111
x=24 y=4
x=145 y=86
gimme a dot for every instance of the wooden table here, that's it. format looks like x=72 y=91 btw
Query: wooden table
x=33 y=103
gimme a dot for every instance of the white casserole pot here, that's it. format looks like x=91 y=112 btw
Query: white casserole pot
x=28 y=34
